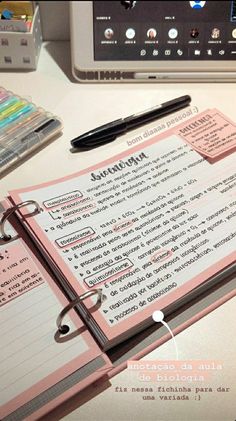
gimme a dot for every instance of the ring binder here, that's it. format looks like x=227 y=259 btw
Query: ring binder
x=12 y=210
x=30 y=301
x=63 y=329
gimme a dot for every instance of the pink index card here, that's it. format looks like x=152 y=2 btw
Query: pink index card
x=18 y=273
x=210 y=133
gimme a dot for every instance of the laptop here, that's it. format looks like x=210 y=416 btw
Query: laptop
x=148 y=41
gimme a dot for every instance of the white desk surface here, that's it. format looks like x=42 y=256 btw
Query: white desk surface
x=85 y=106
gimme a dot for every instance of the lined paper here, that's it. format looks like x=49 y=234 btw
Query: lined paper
x=28 y=349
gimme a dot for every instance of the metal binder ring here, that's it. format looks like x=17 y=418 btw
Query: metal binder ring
x=13 y=209
x=63 y=329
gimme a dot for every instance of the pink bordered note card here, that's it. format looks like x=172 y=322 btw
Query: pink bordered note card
x=210 y=133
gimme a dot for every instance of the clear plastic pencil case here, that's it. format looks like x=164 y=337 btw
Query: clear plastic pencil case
x=24 y=127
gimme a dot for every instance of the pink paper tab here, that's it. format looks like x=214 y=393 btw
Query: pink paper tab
x=18 y=273
x=210 y=133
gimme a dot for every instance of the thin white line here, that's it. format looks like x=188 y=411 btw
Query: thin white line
x=176 y=349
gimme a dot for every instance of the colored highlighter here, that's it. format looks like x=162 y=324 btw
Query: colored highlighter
x=24 y=127
x=16 y=115
x=12 y=109
x=17 y=124
x=3 y=96
x=10 y=100
x=27 y=127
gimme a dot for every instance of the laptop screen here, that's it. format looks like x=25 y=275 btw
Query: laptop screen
x=164 y=30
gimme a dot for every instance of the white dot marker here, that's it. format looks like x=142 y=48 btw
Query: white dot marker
x=158 y=316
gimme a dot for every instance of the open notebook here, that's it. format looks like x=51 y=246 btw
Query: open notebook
x=37 y=366
x=150 y=229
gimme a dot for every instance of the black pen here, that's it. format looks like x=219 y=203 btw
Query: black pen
x=109 y=132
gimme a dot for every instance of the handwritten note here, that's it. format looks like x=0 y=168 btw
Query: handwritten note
x=18 y=273
x=210 y=133
x=160 y=215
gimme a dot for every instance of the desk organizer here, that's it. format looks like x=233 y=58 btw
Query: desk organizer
x=20 y=50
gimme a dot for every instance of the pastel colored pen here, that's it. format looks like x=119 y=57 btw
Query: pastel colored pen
x=21 y=144
x=16 y=115
x=24 y=130
x=3 y=96
x=12 y=109
x=2 y=90
x=8 y=103
x=22 y=121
